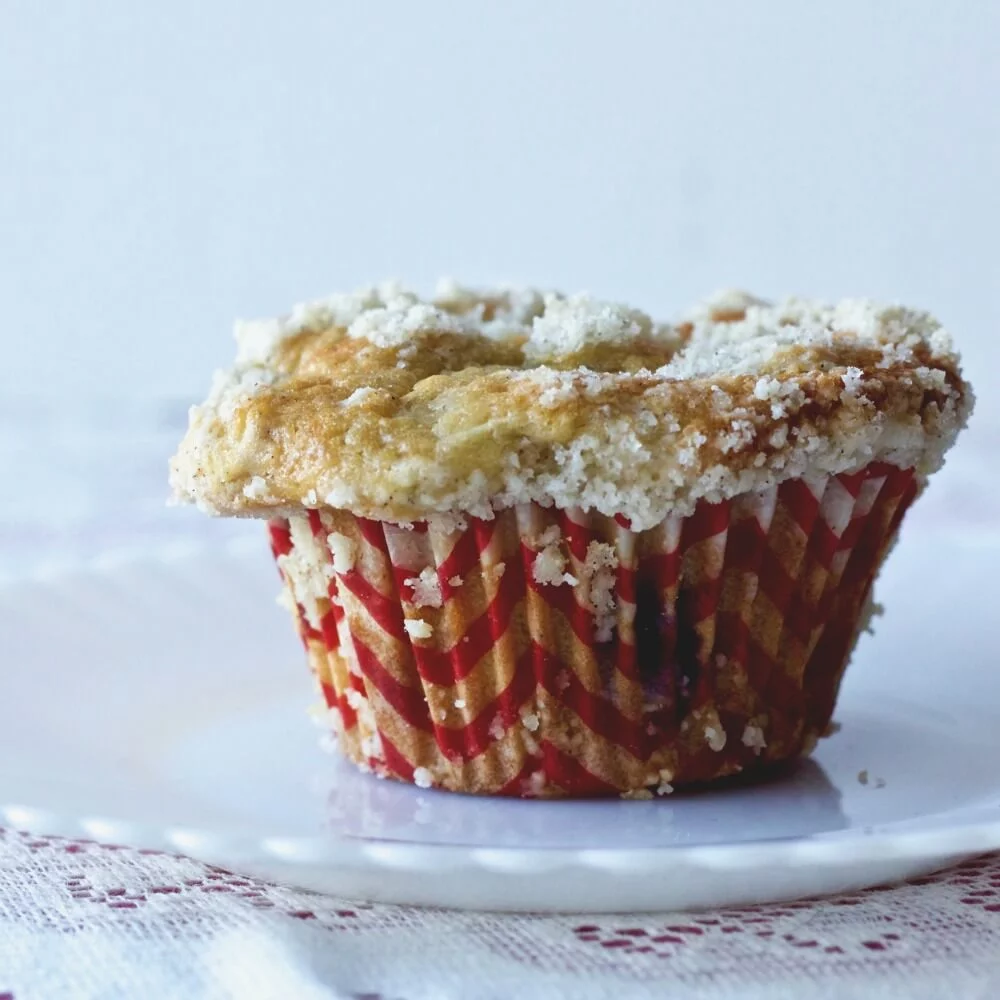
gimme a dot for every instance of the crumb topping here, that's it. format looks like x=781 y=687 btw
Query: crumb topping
x=417 y=628
x=426 y=589
x=549 y=566
x=343 y=550
x=401 y=409
x=256 y=489
x=572 y=326
x=753 y=737
x=599 y=576
x=715 y=734
x=715 y=738
x=664 y=779
x=307 y=571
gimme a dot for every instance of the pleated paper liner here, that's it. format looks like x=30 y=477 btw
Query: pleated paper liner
x=555 y=652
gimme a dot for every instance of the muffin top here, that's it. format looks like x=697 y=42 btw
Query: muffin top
x=399 y=408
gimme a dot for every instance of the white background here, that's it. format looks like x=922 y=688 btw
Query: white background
x=166 y=167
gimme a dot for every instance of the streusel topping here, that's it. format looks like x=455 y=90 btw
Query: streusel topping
x=397 y=408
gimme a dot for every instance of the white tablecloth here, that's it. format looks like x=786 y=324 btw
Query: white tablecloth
x=82 y=920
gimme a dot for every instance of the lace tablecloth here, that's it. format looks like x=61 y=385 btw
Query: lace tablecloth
x=82 y=920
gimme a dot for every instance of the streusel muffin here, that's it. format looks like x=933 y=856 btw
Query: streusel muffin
x=541 y=545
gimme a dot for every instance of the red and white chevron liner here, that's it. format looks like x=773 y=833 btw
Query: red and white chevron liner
x=732 y=628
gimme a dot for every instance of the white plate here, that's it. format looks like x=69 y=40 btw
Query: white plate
x=158 y=700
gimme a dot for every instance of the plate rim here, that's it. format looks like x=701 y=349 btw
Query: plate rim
x=853 y=847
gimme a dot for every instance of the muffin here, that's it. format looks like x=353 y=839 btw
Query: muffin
x=539 y=545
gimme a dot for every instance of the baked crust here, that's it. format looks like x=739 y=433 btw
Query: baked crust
x=398 y=409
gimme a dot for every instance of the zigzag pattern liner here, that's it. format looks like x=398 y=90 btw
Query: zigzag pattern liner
x=723 y=637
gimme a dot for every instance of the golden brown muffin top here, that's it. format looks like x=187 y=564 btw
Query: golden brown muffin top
x=392 y=407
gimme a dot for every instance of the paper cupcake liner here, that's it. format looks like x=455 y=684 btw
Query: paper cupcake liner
x=556 y=652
